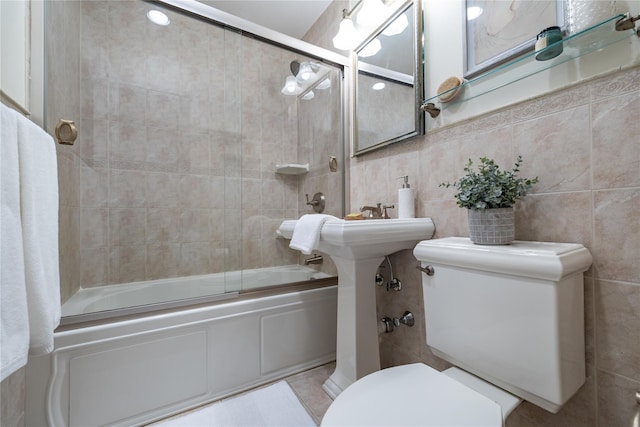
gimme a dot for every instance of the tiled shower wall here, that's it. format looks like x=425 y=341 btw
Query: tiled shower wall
x=186 y=124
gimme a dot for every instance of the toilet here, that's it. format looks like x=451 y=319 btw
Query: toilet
x=510 y=320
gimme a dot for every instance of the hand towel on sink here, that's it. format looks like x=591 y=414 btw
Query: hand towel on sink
x=306 y=233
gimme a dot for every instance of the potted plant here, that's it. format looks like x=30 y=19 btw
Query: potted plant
x=489 y=194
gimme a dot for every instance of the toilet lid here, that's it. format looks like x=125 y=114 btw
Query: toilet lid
x=415 y=395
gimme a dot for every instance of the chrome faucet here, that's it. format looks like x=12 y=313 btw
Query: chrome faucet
x=377 y=212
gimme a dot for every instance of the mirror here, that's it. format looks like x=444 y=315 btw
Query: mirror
x=389 y=82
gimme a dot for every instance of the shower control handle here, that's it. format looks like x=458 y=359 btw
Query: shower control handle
x=318 y=202
x=406 y=319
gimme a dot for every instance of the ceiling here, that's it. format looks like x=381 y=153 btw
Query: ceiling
x=291 y=17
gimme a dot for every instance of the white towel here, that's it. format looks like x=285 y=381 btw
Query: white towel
x=39 y=213
x=14 y=321
x=306 y=233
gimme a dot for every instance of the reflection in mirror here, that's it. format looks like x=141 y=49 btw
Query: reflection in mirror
x=389 y=82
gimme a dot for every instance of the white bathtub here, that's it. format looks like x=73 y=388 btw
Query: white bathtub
x=166 y=293
x=138 y=370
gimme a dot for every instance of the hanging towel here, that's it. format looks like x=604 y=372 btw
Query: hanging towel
x=14 y=321
x=306 y=233
x=39 y=214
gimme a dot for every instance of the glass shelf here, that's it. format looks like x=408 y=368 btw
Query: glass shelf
x=576 y=45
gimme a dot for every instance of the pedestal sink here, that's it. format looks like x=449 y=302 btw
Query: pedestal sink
x=358 y=248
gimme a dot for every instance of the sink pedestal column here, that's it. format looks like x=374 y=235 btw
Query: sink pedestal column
x=357 y=352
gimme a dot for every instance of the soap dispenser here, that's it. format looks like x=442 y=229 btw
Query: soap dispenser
x=406 y=200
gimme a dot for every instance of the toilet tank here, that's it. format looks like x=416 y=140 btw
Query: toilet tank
x=512 y=314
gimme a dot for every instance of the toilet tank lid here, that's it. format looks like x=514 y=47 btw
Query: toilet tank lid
x=540 y=260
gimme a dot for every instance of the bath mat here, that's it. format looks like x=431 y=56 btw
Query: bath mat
x=275 y=405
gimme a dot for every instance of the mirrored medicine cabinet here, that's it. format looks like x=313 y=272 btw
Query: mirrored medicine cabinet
x=388 y=81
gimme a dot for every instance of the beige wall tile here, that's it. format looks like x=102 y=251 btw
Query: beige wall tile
x=553 y=103
x=616 y=152
x=557 y=217
x=578 y=411
x=94 y=267
x=94 y=185
x=556 y=149
x=127 y=264
x=94 y=228
x=617 y=405
x=617 y=325
x=617 y=235
x=163 y=261
x=127 y=226
x=163 y=225
x=162 y=190
x=127 y=188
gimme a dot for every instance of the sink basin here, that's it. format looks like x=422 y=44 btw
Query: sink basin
x=358 y=248
x=367 y=238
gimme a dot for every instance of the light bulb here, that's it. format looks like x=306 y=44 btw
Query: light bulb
x=347 y=36
x=291 y=86
x=309 y=95
x=371 y=13
x=305 y=71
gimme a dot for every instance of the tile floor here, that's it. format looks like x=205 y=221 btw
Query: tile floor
x=308 y=387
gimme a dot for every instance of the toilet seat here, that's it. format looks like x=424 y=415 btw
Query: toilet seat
x=414 y=394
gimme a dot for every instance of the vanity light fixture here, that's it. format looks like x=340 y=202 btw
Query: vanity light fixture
x=371 y=13
x=309 y=95
x=473 y=12
x=291 y=86
x=157 y=17
x=347 y=37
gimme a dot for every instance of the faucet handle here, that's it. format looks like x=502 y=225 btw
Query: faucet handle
x=385 y=215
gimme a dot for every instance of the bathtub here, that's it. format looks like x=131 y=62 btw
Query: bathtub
x=140 y=368
x=105 y=301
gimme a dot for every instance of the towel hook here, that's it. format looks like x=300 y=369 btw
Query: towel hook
x=66 y=132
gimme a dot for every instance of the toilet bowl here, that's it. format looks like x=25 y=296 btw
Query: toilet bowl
x=418 y=395
x=510 y=318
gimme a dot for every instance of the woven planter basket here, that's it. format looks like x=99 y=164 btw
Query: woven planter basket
x=491 y=226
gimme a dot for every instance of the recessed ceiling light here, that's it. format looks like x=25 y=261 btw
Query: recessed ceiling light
x=378 y=86
x=158 y=17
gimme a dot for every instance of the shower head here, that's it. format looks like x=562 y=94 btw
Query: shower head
x=294 y=67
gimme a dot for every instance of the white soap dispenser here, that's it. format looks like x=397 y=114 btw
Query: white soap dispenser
x=406 y=200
